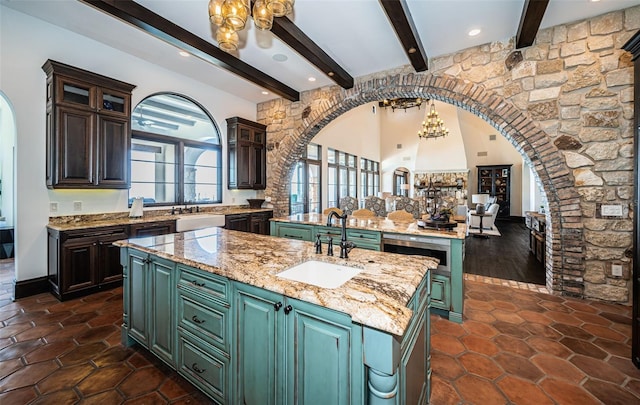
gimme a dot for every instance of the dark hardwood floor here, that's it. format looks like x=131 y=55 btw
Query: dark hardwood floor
x=506 y=257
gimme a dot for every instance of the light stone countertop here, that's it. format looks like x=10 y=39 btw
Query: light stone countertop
x=377 y=297
x=79 y=222
x=377 y=224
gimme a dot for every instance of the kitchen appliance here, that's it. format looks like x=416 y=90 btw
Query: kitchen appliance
x=136 y=207
x=438 y=248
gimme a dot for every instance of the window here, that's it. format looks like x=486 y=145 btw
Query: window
x=401 y=182
x=369 y=177
x=343 y=180
x=176 y=157
x=305 y=183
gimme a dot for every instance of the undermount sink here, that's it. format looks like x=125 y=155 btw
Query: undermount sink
x=320 y=274
x=198 y=221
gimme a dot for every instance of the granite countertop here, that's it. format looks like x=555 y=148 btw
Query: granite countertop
x=377 y=297
x=377 y=224
x=78 y=222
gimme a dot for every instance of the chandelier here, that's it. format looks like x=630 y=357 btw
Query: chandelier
x=231 y=16
x=401 y=103
x=433 y=126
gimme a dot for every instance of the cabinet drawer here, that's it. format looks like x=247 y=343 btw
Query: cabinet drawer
x=325 y=231
x=356 y=235
x=441 y=292
x=207 y=319
x=360 y=244
x=206 y=283
x=206 y=367
x=292 y=232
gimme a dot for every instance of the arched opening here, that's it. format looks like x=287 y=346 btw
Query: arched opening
x=564 y=253
x=8 y=226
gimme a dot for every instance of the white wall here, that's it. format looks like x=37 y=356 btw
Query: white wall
x=356 y=132
x=25 y=44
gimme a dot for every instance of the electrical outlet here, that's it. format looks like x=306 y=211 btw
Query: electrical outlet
x=616 y=270
x=77 y=205
x=53 y=207
x=233 y=199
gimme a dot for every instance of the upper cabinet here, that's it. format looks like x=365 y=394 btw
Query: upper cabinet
x=246 y=143
x=88 y=129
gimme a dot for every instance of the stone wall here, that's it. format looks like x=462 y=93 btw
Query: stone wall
x=565 y=103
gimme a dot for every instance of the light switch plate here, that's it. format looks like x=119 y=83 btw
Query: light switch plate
x=53 y=207
x=77 y=205
x=616 y=270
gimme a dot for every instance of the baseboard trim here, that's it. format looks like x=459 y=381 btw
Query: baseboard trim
x=27 y=288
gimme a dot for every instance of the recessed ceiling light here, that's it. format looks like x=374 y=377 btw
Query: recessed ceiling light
x=331 y=74
x=278 y=57
x=474 y=32
x=411 y=50
x=265 y=92
x=311 y=79
x=184 y=53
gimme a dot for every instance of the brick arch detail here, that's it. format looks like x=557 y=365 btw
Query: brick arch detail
x=565 y=256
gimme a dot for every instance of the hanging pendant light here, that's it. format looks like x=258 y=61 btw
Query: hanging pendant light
x=227 y=38
x=262 y=15
x=215 y=12
x=235 y=13
x=433 y=126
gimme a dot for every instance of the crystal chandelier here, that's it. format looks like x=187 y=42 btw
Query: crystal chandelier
x=433 y=126
x=231 y=16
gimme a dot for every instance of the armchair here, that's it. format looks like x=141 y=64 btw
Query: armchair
x=488 y=222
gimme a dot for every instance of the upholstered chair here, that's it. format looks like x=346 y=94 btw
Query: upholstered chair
x=488 y=222
x=400 y=215
x=377 y=205
x=363 y=213
x=410 y=205
x=348 y=204
x=328 y=210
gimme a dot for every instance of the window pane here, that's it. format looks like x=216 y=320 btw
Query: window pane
x=331 y=155
x=351 y=160
x=314 y=188
x=332 y=184
x=342 y=158
x=313 y=151
x=201 y=169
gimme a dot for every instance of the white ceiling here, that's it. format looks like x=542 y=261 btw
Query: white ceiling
x=355 y=33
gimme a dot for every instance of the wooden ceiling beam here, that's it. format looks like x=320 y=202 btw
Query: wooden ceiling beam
x=163 y=29
x=530 y=20
x=400 y=17
x=293 y=36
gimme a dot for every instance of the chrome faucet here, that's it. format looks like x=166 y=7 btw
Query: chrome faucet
x=345 y=246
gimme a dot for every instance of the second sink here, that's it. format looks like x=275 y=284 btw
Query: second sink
x=320 y=274
x=198 y=221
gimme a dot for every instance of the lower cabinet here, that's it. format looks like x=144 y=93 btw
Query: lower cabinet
x=84 y=261
x=152 y=229
x=289 y=351
x=292 y=231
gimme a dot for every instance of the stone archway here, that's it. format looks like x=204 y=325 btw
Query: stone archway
x=565 y=255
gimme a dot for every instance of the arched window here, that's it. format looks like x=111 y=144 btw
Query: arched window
x=176 y=156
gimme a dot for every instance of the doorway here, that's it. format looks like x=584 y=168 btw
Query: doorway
x=7 y=182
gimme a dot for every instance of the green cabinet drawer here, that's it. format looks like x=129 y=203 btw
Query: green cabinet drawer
x=205 y=367
x=325 y=231
x=355 y=235
x=294 y=232
x=206 y=319
x=209 y=284
x=440 y=292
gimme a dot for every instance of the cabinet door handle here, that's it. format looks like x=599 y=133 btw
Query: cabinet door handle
x=288 y=309
x=196 y=319
x=277 y=306
x=197 y=369
x=292 y=236
x=195 y=282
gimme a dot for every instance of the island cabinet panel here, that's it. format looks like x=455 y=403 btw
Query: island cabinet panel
x=149 y=308
x=317 y=347
x=292 y=231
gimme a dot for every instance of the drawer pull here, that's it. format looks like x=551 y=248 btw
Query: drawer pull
x=288 y=309
x=196 y=320
x=277 y=306
x=195 y=282
x=197 y=369
x=292 y=236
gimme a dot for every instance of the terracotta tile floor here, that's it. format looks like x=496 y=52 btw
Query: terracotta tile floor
x=516 y=346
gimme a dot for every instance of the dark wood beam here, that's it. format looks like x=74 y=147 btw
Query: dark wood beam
x=290 y=34
x=532 y=14
x=161 y=28
x=400 y=17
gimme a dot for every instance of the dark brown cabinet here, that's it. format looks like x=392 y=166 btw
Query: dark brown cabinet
x=238 y=222
x=496 y=181
x=256 y=222
x=84 y=261
x=152 y=229
x=88 y=131
x=260 y=222
x=246 y=145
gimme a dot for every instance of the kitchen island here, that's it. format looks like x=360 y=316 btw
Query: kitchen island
x=382 y=234
x=209 y=303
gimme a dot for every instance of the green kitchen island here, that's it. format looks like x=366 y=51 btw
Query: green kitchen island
x=382 y=234
x=209 y=303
